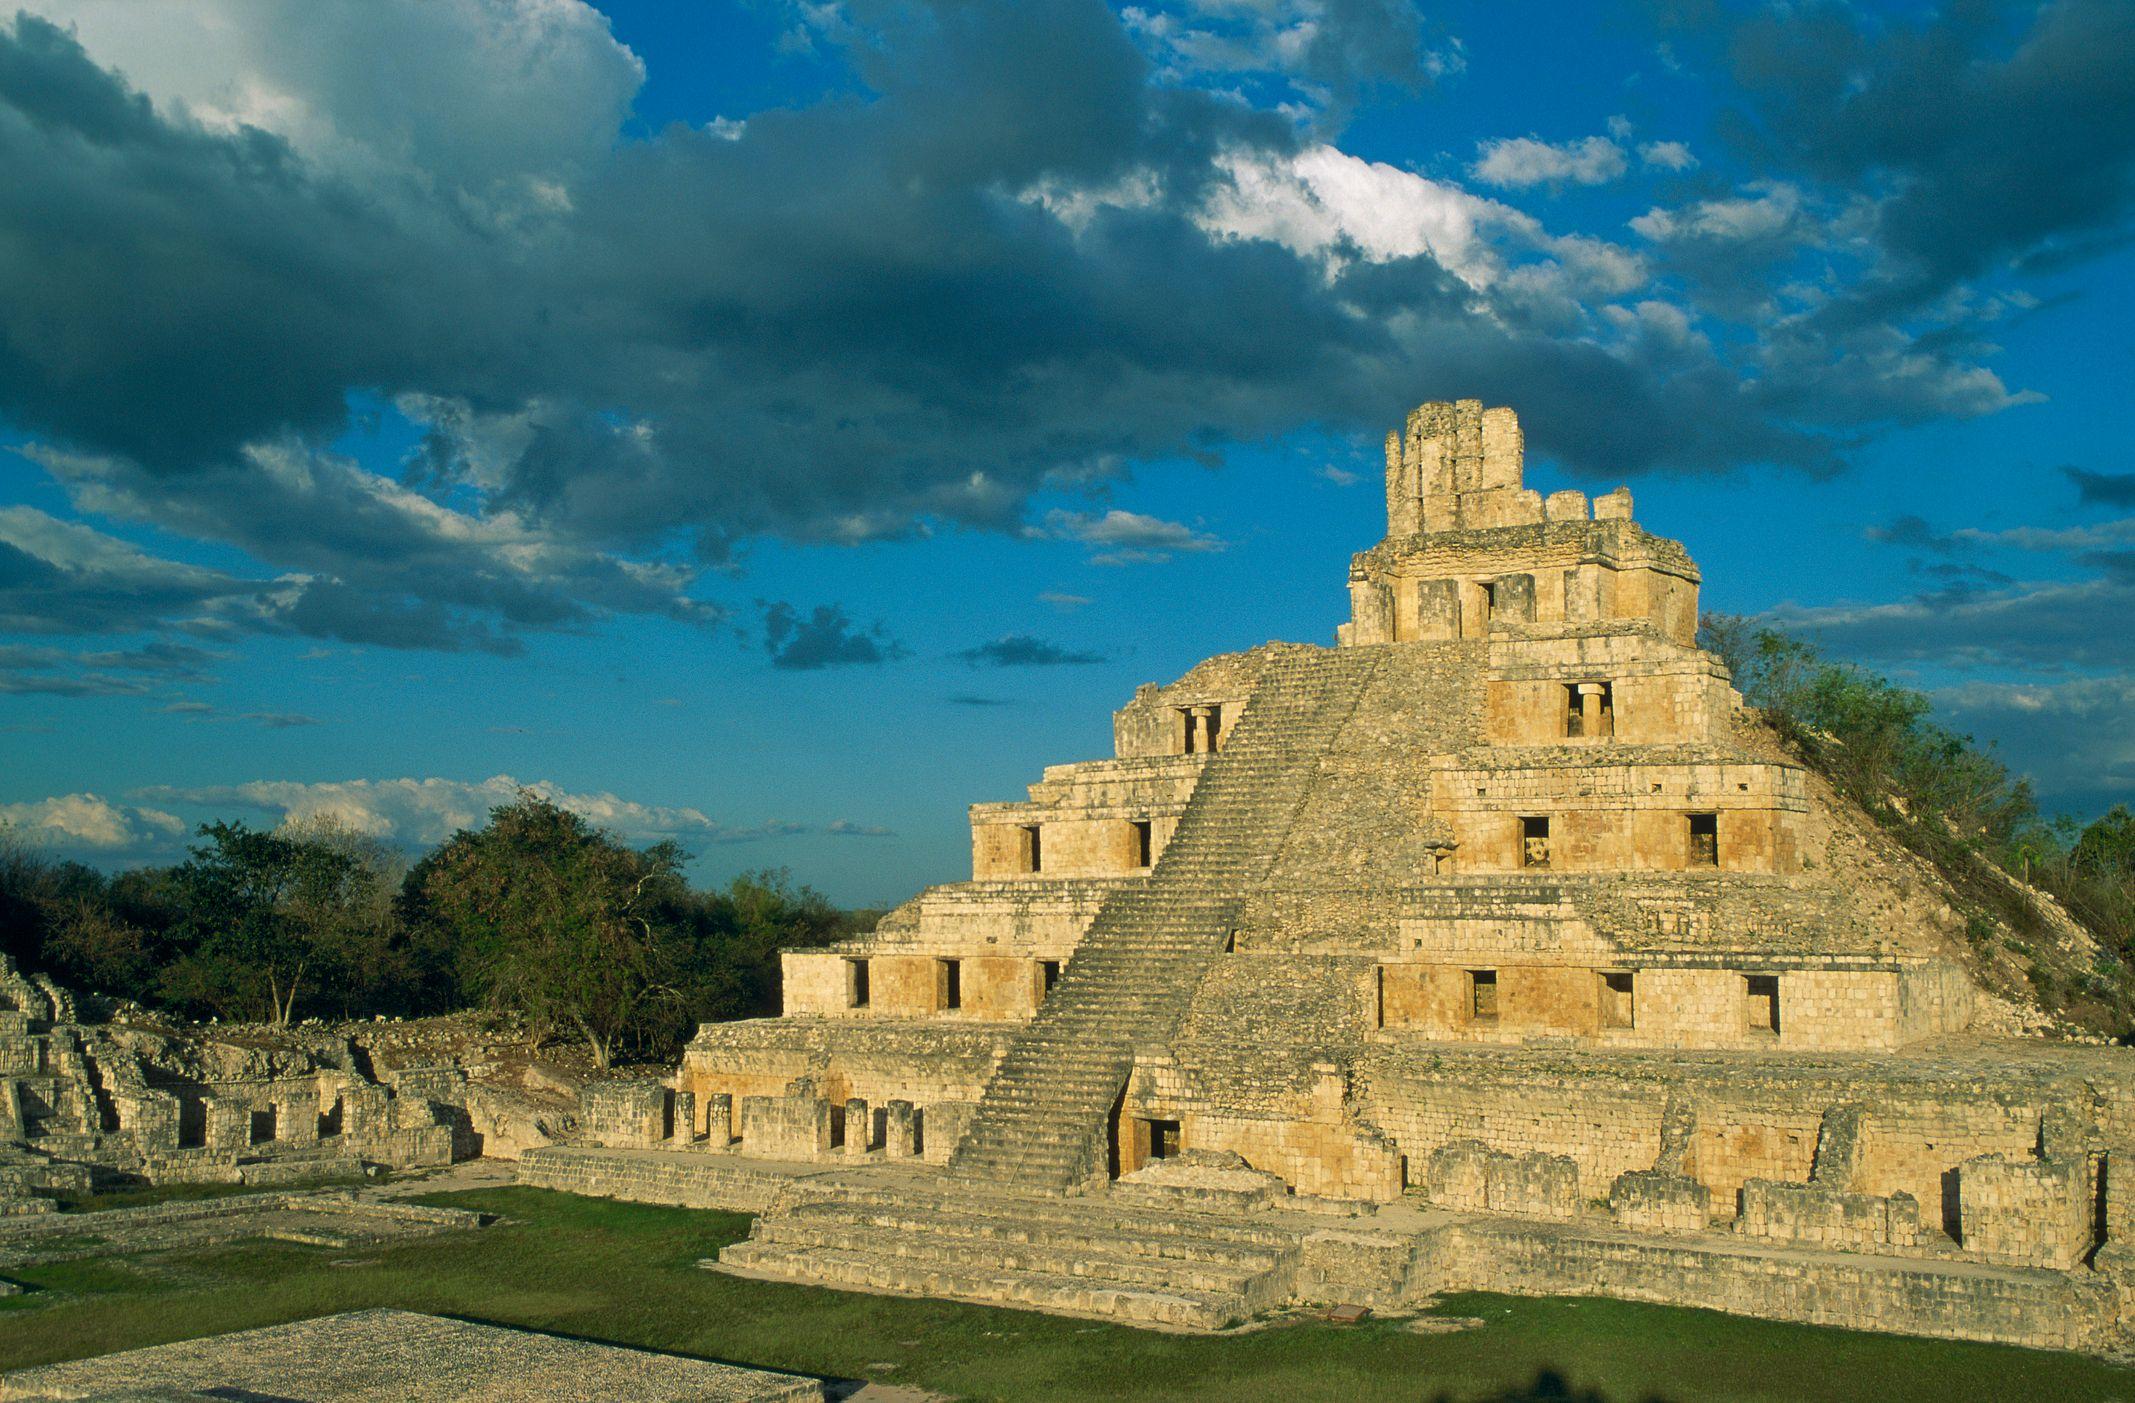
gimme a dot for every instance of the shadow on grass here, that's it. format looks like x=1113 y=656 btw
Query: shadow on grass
x=1548 y=1386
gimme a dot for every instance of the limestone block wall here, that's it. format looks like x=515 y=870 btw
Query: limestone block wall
x=1689 y=707
x=2028 y=1308
x=1543 y=572
x=1623 y=817
x=785 y=1127
x=1470 y=1176
x=1155 y=722
x=925 y=1064
x=1043 y=918
x=1755 y=1120
x=2026 y=1212
x=1312 y=1143
x=907 y=986
x=1072 y=844
x=625 y=1114
x=1829 y=1218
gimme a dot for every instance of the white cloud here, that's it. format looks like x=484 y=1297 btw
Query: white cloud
x=1667 y=156
x=1127 y=538
x=1322 y=200
x=93 y=822
x=1521 y=161
x=1771 y=209
x=427 y=811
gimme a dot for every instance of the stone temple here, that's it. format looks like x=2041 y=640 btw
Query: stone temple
x=1497 y=947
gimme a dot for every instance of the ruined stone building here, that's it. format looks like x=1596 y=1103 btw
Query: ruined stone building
x=1496 y=947
x=86 y=1105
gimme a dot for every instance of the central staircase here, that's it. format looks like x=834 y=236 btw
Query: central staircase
x=1002 y=1225
x=1044 y=1119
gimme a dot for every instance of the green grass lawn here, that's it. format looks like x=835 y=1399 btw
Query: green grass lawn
x=627 y=1273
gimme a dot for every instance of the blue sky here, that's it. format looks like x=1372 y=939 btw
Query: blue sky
x=776 y=426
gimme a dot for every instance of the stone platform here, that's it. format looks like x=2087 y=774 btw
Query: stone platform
x=315 y=1219
x=1168 y=1263
x=386 y=1356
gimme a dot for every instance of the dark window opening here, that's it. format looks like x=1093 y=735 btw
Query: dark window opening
x=263 y=1127
x=1048 y=974
x=1704 y=840
x=1616 y=999
x=1032 y=849
x=1212 y=739
x=1163 y=1138
x=192 y=1122
x=952 y=983
x=1762 y=996
x=1534 y=842
x=1143 y=844
x=1482 y=995
x=330 y=1120
x=856 y=991
x=1378 y=995
x=1487 y=608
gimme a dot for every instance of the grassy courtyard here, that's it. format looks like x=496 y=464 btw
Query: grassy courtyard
x=627 y=1273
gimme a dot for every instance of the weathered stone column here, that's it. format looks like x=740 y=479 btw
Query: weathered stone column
x=296 y=1123
x=859 y=1126
x=229 y=1124
x=900 y=1131
x=1209 y=718
x=685 y=1118
x=1590 y=709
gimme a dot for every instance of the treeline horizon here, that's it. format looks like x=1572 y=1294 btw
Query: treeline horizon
x=538 y=915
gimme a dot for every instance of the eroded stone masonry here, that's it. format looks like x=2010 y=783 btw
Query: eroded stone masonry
x=87 y=1105
x=1496 y=947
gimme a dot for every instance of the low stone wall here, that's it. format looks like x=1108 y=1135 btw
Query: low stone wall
x=1468 y=1174
x=2011 y=1306
x=680 y=1178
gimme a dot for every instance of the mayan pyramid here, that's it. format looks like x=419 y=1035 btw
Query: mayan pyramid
x=1502 y=913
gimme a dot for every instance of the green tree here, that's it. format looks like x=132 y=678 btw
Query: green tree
x=556 y=921
x=2107 y=847
x=266 y=918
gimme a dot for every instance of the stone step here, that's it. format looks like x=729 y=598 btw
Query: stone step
x=1084 y=1260
x=966 y=1282
x=1100 y=1213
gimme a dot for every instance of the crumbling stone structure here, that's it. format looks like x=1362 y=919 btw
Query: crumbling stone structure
x=1502 y=921
x=84 y=1102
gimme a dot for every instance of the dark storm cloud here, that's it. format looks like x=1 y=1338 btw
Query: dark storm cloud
x=1913 y=531
x=62 y=672
x=836 y=322
x=825 y=638
x=1022 y=650
x=1993 y=133
x=2106 y=489
x=62 y=577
